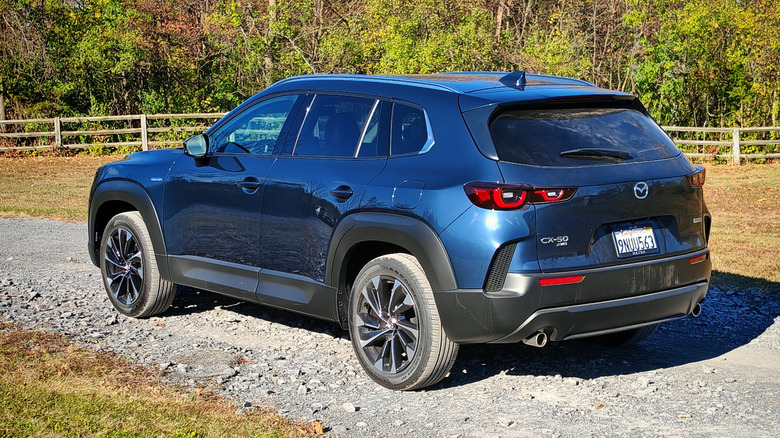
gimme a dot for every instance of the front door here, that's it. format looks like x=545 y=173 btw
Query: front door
x=212 y=208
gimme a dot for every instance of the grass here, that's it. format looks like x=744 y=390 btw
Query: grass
x=49 y=387
x=745 y=239
x=48 y=186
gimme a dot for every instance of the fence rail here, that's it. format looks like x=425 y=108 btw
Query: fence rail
x=731 y=143
x=159 y=130
x=140 y=130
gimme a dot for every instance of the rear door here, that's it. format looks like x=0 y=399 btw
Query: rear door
x=633 y=200
x=340 y=147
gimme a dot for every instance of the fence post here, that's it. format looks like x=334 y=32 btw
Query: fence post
x=735 y=158
x=57 y=132
x=144 y=134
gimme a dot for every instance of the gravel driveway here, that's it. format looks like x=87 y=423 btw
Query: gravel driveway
x=716 y=375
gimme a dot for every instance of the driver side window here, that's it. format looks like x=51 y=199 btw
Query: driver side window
x=256 y=130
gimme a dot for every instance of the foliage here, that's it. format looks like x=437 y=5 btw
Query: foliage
x=693 y=62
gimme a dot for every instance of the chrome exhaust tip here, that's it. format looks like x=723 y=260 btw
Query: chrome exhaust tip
x=538 y=339
x=696 y=311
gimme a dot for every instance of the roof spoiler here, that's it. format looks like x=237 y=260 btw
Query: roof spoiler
x=515 y=80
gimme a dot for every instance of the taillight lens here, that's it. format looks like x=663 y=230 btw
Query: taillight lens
x=497 y=196
x=542 y=196
x=697 y=178
x=494 y=196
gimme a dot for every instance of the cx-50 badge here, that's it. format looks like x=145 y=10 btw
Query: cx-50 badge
x=641 y=190
x=557 y=240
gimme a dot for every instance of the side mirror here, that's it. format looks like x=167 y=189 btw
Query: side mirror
x=196 y=146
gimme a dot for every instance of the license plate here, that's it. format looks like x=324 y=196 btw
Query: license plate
x=634 y=242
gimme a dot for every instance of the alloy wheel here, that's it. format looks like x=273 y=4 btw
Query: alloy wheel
x=387 y=324
x=124 y=266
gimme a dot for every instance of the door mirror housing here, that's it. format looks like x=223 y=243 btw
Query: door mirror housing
x=196 y=146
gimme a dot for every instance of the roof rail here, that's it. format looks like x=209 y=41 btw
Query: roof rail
x=516 y=80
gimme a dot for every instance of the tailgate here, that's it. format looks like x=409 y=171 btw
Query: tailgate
x=607 y=223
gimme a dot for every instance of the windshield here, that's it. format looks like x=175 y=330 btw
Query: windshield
x=579 y=136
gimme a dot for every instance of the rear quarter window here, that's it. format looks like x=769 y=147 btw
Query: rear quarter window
x=538 y=136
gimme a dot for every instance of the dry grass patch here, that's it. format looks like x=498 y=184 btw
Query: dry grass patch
x=51 y=388
x=745 y=239
x=48 y=186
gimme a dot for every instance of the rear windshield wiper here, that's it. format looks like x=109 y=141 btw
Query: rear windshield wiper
x=597 y=154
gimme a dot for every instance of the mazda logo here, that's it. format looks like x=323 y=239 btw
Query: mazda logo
x=641 y=190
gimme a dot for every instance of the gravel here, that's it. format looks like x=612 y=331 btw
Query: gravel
x=716 y=375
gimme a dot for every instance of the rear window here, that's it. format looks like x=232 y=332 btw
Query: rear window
x=539 y=136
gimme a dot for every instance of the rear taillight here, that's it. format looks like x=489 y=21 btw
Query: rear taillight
x=697 y=178
x=497 y=196
x=542 y=196
x=494 y=196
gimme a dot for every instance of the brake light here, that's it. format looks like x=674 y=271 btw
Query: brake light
x=494 y=196
x=555 y=281
x=497 y=196
x=697 y=178
x=552 y=195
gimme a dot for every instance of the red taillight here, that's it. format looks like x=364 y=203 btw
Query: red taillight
x=555 y=281
x=552 y=195
x=697 y=178
x=497 y=196
x=494 y=196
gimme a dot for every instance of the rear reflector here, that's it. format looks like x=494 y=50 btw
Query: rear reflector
x=698 y=259
x=560 y=280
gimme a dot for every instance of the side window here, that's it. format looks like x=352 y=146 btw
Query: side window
x=409 y=130
x=335 y=126
x=256 y=130
x=374 y=140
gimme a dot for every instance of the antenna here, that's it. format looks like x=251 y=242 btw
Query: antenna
x=515 y=79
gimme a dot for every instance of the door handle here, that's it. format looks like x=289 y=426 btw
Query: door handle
x=342 y=192
x=249 y=184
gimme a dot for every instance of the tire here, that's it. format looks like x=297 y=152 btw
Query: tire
x=129 y=268
x=395 y=327
x=626 y=337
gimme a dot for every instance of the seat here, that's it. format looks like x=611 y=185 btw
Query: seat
x=341 y=135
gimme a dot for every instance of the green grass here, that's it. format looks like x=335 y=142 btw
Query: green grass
x=51 y=388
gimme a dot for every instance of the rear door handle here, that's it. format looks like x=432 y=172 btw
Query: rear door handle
x=249 y=184
x=342 y=192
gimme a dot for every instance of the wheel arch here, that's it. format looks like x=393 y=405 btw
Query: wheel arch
x=364 y=236
x=118 y=196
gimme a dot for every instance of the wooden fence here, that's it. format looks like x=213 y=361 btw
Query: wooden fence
x=733 y=144
x=149 y=131
x=141 y=130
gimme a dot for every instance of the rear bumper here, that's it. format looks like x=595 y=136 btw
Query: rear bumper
x=607 y=299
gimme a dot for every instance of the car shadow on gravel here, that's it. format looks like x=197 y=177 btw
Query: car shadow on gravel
x=190 y=300
x=730 y=319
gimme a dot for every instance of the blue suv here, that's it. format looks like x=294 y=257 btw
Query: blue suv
x=419 y=212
